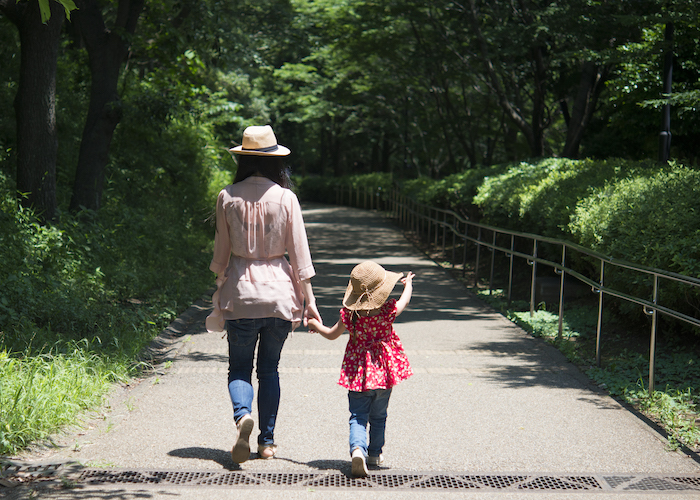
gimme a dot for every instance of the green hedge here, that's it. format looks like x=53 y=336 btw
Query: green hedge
x=651 y=219
x=639 y=211
x=542 y=196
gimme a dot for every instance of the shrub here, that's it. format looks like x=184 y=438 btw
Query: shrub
x=648 y=219
x=542 y=196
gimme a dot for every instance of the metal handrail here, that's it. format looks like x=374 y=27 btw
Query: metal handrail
x=417 y=216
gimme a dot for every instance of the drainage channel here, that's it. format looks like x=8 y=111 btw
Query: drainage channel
x=13 y=475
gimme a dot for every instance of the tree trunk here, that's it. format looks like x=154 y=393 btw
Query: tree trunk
x=590 y=86
x=35 y=104
x=107 y=50
x=538 y=102
x=533 y=131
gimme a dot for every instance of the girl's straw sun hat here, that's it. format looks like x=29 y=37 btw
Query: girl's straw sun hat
x=260 y=140
x=369 y=287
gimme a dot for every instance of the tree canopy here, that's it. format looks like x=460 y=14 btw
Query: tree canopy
x=408 y=87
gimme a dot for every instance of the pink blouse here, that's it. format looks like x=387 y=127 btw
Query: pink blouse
x=374 y=356
x=257 y=223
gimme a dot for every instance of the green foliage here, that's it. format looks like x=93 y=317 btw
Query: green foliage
x=543 y=195
x=86 y=296
x=650 y=219
x=41 y=394
x=45 y=8
x=640 y=212
x=81 y=298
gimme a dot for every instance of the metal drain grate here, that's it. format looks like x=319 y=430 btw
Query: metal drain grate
x=428 y=480
x=622 y=483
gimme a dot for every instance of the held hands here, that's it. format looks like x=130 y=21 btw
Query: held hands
x=311 y=312
x=314 y=325
x=332 y=333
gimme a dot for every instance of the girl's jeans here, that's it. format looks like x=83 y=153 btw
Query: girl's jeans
x=243 y=334
x=368 y=407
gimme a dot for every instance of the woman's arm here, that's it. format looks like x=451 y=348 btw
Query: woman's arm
x=330 y=333
x=407 y=292
x=310 y=311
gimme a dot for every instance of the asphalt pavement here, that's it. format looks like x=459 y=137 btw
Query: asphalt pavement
x=489 y=412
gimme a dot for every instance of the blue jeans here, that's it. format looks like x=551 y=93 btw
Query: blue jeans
x=243 y=335
x=369 y=407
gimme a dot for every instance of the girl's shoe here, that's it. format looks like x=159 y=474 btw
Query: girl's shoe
x=359 y=466
x=375 y=460
x=241 y=450
x=267 y=451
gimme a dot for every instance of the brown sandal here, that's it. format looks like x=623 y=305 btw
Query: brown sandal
x=267 y=451
x=241 y=450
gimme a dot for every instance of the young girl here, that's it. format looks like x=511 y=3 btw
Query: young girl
x=374 y=359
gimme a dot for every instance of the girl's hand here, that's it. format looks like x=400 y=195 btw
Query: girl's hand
x=314 y=325
x=408 y=278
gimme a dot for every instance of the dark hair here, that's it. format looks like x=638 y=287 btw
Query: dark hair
x=272 y=167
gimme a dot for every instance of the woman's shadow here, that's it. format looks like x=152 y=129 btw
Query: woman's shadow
x=223 y=458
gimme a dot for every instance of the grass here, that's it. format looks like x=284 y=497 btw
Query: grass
x=41 y=394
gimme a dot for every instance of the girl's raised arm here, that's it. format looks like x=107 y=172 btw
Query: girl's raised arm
x=407 y=292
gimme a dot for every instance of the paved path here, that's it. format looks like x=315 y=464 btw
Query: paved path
x=486 y=400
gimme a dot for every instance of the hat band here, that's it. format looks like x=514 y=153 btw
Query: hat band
x=262 y=150
x=369 y=293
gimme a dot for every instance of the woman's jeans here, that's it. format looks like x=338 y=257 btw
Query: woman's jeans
x=368 y=407
x=243 y=335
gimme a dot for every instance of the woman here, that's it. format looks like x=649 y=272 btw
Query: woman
x=260 y=294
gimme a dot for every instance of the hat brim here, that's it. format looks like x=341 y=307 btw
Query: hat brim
x=280 y=151
x=352 y=301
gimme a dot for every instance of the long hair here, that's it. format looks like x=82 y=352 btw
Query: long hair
x=272 y=167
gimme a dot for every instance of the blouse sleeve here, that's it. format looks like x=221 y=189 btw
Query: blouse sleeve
x=297 y=242
x=222 y=240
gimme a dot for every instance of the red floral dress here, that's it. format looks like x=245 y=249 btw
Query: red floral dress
x=374 y=357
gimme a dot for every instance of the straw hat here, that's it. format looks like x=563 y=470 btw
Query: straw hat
x=369 y=287
x=260 y=141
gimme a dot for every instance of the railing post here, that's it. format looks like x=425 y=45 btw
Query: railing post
x=454 y=240
x=652 y=347
x=464 y=252
x=533 y=282
x=437 y=228
x=421 y=220
x=510 y=267
x=414 y=217
x=476 y=265
x=444 y=231
x=560 y=328
x=493 y=261
x=600 y=314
